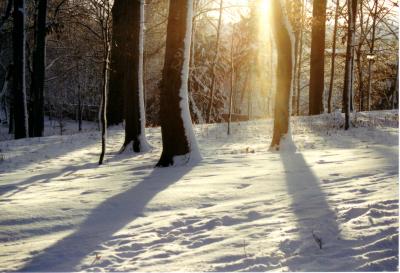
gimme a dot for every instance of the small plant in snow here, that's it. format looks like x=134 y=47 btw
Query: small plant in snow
x=317 y=239
x=97 y=258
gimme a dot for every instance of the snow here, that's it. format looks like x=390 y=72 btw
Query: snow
x=241 y=208
x=194 y=155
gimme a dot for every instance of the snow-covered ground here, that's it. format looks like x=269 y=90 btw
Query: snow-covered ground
x=241 y=209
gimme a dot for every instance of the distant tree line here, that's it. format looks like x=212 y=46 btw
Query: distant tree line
x=122 y=61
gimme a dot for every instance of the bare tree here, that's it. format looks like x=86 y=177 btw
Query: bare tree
x=19 y=59
x=213 y=72
x=103 y=9
x=132 y=17
x=348 y=84
x=333 y=57
x=317 y=61
x=179 y=143
x=38 y=72
x=371 y=54
x=284 y=76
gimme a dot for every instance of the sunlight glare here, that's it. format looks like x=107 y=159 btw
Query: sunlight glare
x=263 y=15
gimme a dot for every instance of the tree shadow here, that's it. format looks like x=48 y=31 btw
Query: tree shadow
x=315 y=219
x=50 y=148
x=330 y=132
x=105 y=220
x=9 y=190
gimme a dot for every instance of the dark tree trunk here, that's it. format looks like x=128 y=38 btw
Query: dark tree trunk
x=317 y=58
x=9 y=98
x=347 y=89
x=38 y=73
x=106 y=69
x=115 y=100
x=284 y=73
x=333 y=57
x=19 y=88
x=103 y=111
x=176 y=128
x=132 y=50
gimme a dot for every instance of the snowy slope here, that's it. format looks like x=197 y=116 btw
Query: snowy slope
x=241 y=209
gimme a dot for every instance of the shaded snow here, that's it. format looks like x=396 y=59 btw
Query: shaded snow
x=241 y=208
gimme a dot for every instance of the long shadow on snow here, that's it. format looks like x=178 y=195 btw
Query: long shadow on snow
x=105 y=220
x=311 y=209
x=41 y=179
x=53 y=147
x=346 y=137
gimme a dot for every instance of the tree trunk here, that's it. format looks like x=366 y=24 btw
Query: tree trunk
x=333 y=57
x=232 y=83
x=300 y=59
x=103 y=111
x=103 y=116
x=317 y=62
x=371 y=52
x=360 y=75
x=347 y=89
x=10 y=99
x=132 y=50
x=179 y=143
x=115 y=100
x=19 y=87
x=80 y=108
x=38 y=73
x=284 y=72
x=359 y=60
x=214 y=65
x=395 y=88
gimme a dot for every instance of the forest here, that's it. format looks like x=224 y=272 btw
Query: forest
x=199 y=135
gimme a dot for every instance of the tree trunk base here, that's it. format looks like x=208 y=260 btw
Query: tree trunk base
x=165 y=161
x=135 y=146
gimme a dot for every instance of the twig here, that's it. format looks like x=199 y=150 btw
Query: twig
x=317 y=239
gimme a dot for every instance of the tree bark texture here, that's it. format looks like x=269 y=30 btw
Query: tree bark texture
x=317 y=62
x=284 y=74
